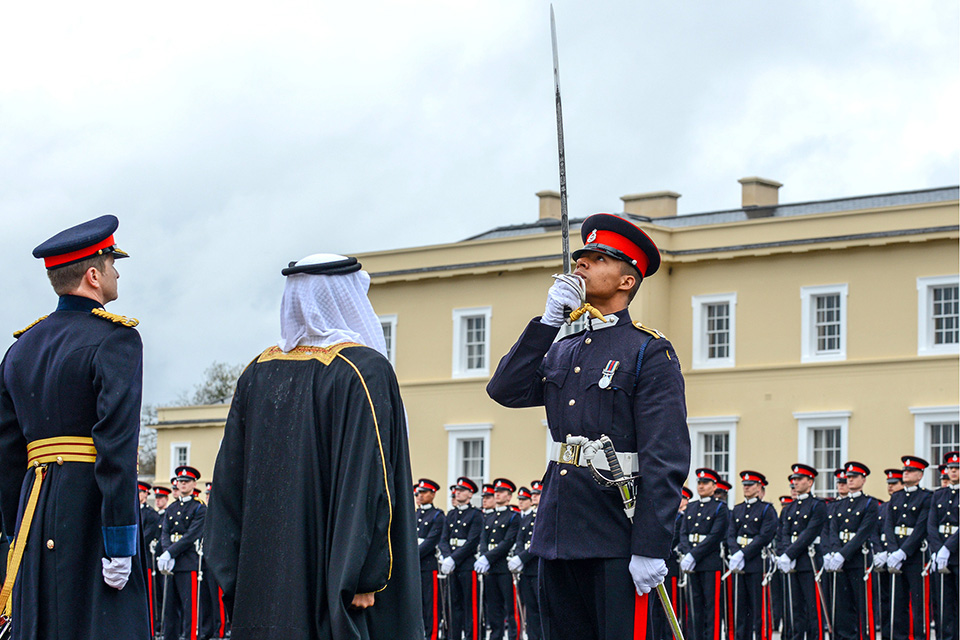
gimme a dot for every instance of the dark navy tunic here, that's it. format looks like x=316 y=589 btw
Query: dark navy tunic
x=852 y=527
x=703 y=528
x=801 y=523
x=522 y=547
x=942 y=522
x=498 y=537
x=905 y=524
x=461 y=536
x=578 y=518
x=429 y=529
x=182 y=527
x=753 y=525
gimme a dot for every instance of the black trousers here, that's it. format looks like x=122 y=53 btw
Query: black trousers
x=180 y=609
x=706 y=595
x=807 y=616
x=530 y=599
x=748 y=591
x=464 y=606
x=947 y=594
x=909 y=606
x=853 y=599
x=776 y=597
x=430 y=601
x=213 y=616
x=499 y=597
x=591 y=599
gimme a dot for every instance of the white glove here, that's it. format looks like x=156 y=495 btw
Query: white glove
x=880 y=560
x=165 y=563
x=116 y=571
x=828 y=562
x=447 y=566
x=647 y=573
x=737 y=561
x=838 y=561
x=943 y=556
x=687 y=563
x=786 y=564
x=896 y=559
x=482 y=565
x=563 y=295
x=515 y=564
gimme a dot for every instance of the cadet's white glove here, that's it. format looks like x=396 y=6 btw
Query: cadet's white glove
x=880 y=560
x=687 y=563
x=786 y=564
x=647 y=573
x=116 y=571
x=515 y=564
x=943 y=556
x=896 y=559
x=828 y=561
x=447 y=566
x=563 y=295
x=838 y=561
x=165 y=563
x=737 y=561
x=482 y=565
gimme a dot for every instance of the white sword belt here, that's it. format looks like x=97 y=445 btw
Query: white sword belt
x=419 y=541
x=492 y=545
x=696 y=538
x=175 y=537
x=903 y=531
x=948 y=529
x=794 y=537
x=564 y=453
x=847 y=536
x=744 y=541
x=457 y=542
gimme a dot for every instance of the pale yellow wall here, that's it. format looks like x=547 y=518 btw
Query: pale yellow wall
x=204 y=438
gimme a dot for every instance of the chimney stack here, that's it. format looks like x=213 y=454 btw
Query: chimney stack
x=759 y=192
x=549 y=205
x=656 y=204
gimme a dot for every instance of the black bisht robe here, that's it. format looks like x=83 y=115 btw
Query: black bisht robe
x=313 y=500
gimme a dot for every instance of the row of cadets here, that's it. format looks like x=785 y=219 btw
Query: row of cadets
x=703 y=530
x=894 y=477
x=458 y=545
x=943 y=531
x=659 y=626
x=524 y=564
x=496 y=542
x=430 y=522
x=150 y=522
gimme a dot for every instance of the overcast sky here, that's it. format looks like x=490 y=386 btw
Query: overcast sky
x=231 y=137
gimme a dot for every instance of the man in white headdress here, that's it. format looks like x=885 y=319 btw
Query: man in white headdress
x=320 y=415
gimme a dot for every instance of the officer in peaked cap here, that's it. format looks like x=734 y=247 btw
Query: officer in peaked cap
x=180 y=562
x=853 y=526
x=943 y=531
x=70 y=391
x=801 y=524
x=526 y=564
x=458 y=546
x=430 y=521
x=161 y=495
x=619 y=379
x=704 y=528
x=536 y=489
x=497 y=540
x=753 y=526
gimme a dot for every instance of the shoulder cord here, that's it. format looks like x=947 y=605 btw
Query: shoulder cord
x=643 y=348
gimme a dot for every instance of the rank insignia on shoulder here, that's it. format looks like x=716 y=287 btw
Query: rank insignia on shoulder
x=113 y=317
x=17 y=334
x=654 y=332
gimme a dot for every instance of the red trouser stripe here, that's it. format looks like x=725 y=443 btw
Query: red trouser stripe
x=910 y=610
x=673 y=592
x=640 y=617
x=870 y=624
x=223 y=613
x=716 y=606
x=730 y=606
x=475 y=611
x=516 y=609
x=763 y=613
x=816 y=593
x=194 y=605
x=926 y=605
x=433 y=631
x=150 y=595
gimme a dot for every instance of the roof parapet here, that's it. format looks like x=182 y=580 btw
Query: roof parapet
x=549 y=205
x=656 y=204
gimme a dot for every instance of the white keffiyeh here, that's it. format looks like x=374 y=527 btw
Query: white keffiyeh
x=324 y=310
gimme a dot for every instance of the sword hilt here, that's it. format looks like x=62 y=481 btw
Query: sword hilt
x=611 y=455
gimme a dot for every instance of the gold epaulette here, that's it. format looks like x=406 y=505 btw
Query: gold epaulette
x=17 y=334
x=113 y=317
x=654 y=332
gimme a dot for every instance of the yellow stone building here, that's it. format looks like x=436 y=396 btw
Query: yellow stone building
x=815 y=332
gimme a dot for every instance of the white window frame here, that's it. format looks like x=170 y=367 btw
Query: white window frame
x=707 y=425
x=173 y=455
x=925 y=345
x=456 y=433
x=391 y=319
x=809 y=420
x=701 y=345
x=923 y=417
x=459 y=347
x=808 y=337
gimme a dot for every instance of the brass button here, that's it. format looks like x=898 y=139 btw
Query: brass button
x=50 y=544
x=576 y=369
x=563 y=472
x=60 y=460
x=572 y=402
x=588 y=340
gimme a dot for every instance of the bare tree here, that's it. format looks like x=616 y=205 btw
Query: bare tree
x=147 y=451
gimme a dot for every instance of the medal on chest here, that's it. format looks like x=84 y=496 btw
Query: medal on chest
x=608 y=372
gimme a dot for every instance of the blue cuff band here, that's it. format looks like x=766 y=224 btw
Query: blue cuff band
x=120 y=542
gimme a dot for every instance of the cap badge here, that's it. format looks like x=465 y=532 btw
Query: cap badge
x=608 y=372
x=592 y=236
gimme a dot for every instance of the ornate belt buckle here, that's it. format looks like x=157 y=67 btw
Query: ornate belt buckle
x=569 y=454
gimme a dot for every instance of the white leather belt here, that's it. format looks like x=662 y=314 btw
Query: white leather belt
x=794 y=537
x=457 y=542
x=419 y=541
x=847 y=536
x=175 y=537
x=744 y=541
x=564 y=453
x=903 y=531
x=492 y=545
x=948 y=529
x=696 y=538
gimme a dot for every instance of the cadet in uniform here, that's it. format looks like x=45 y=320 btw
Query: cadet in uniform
x=835 y=590
x=723 y=490
x=429 y=529
x=801 y=524
x=180 y=562
x=70 y=390
x=852 y=528
x=150 y=522
x=161 y=495
x=487 y=501
x=894 y=484
x=905 y=529
x=753 y=526
x=526 y=564
x=498 y=537
x=458 y=545
x=536 y=488
x=615 y=378
x=704 y=528
x=942 y=535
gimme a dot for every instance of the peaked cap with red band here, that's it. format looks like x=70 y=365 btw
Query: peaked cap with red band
x=786 y=500
x=893 y=475
x=536 y=486
x=686 y=493
x=914 y=463
x=943 y=470
x=800 y=470
x=753 y=477
x=856 y=467
x=502 y=484
x=187 y=472
x=143 y=486
x=524 y=494
x=707 y=474
x=464 y=482
x=952 y=458
x=841 y=475
x=723 y=485
x=88 y=239
x=426 y=484
x=621 y=239
x=487 y=490
x=161 y=491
